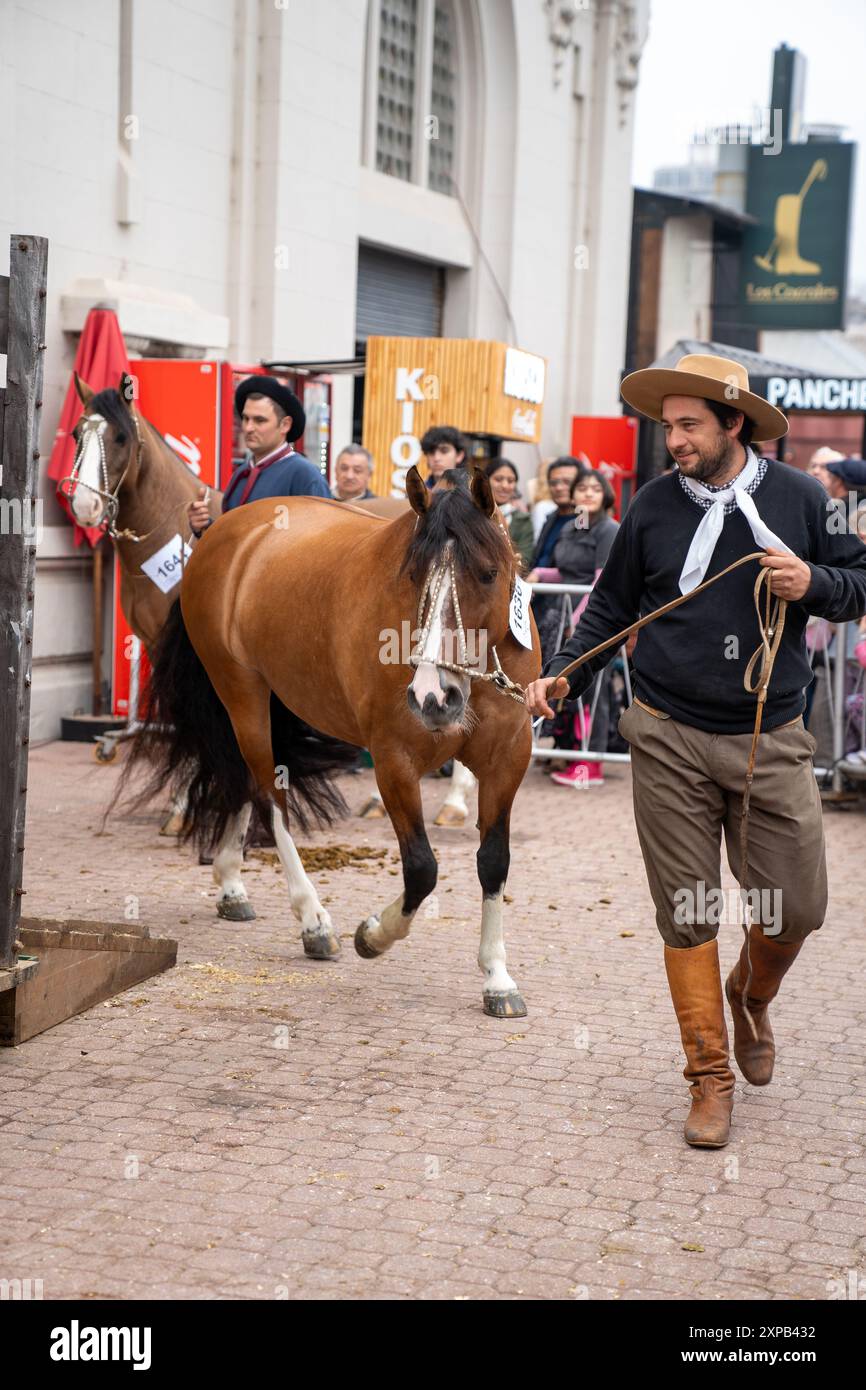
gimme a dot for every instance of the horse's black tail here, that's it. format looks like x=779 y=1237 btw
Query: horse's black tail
x=189 y=746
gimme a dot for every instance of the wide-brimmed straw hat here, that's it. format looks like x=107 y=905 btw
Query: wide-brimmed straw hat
x=712 y=378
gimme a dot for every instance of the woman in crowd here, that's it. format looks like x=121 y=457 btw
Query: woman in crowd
x=504 y=481
x=578 y=558
x=547 y=608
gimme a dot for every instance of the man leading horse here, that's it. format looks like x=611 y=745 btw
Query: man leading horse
x=692 y=722
x=272 y=418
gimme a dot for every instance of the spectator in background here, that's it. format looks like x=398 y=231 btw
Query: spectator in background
x=352 y=473
x=548 y=607
x=543 y=503
x=845 y=481
x=443 y=447
x=579 y=557
x=504 y=484
x=819 y=461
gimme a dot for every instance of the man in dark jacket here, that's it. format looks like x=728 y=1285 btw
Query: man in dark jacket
x=272 y=417
x=690 y=725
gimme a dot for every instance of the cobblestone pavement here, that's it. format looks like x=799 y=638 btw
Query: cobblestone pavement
x=360 y=1129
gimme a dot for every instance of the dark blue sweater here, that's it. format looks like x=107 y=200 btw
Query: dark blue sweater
x=293 y=476
x=690 y=663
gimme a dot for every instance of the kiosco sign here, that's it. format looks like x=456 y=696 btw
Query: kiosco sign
x=414 y=383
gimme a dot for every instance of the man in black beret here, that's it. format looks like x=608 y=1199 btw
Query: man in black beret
x=272 y=417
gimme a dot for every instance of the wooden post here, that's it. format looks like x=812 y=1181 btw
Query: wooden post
x=24 y=346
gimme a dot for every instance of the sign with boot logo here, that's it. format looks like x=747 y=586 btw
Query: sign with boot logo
x=795 y=258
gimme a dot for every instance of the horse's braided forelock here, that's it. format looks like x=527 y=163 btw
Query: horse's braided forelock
x=479 y=545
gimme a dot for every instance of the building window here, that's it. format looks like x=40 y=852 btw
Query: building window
x=398 y=34
x=442 y=100
x=412 y=107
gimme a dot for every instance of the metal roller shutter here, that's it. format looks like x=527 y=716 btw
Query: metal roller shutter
x=397 y=296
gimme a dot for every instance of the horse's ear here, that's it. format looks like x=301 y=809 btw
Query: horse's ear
x=417 y=491
x=482 y=493
x=126 y=388
x=85 y=392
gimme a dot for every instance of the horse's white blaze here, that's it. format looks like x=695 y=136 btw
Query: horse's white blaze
x=462 y=783
x=491 y=953
x=229 y=858
x=86 y=505
x=426 y=679
x=391 y=925
x=303 y=897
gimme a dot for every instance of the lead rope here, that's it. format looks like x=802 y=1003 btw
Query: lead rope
x=771 y=625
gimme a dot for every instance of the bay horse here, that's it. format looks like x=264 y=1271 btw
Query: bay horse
x=283 y=628
x=126 y=478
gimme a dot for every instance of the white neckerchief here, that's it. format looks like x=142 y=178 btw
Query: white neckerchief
x=707 y=535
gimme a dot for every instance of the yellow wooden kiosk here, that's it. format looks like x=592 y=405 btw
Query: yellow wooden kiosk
x=483 y=388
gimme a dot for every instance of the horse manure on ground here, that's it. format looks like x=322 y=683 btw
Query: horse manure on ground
x=325 y=857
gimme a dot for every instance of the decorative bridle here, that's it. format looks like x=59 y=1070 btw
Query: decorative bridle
x=441 y=574
x=94 y=426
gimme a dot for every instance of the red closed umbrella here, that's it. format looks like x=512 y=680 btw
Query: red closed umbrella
x=100 y=360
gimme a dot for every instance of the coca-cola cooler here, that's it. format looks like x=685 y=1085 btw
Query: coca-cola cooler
x=192 y=406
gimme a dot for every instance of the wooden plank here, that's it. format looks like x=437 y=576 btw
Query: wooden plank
x=4 y=312
x=80 y=965
x=28 y=278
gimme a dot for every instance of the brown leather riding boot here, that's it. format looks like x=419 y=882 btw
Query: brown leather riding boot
x=770 y=961
x=696 y=990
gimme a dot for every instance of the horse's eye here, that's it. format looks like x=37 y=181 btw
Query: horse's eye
x=490 y=577
x=121 y=439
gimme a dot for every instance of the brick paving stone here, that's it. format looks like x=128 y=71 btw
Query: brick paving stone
x=403 y=1145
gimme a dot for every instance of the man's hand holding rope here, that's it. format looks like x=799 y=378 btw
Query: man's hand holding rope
x=791 y=576
x=790 y=579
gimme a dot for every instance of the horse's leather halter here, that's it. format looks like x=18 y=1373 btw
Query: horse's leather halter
x=96 y=425
x=441 y=574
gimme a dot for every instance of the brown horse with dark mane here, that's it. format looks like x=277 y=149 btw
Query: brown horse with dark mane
x=126 y=478
x=286 y=640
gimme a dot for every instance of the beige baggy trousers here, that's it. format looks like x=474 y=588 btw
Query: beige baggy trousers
x=688 y=789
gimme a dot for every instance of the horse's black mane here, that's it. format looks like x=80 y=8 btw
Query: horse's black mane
x=110 y=405
x=479 y=544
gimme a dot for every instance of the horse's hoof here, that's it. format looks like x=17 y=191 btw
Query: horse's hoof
x=173 y=824
x=362 y=945
x=372 y=809
x=505 y=1005
x=450 y=815
x=320 y=945
x=205 y=858
x=235 y=909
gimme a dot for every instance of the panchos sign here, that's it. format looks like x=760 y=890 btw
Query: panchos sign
x=816 y=392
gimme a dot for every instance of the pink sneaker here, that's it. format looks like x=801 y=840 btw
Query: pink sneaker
x=580 y=775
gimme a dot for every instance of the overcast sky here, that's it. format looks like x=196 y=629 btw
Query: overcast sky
x=707 y=64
